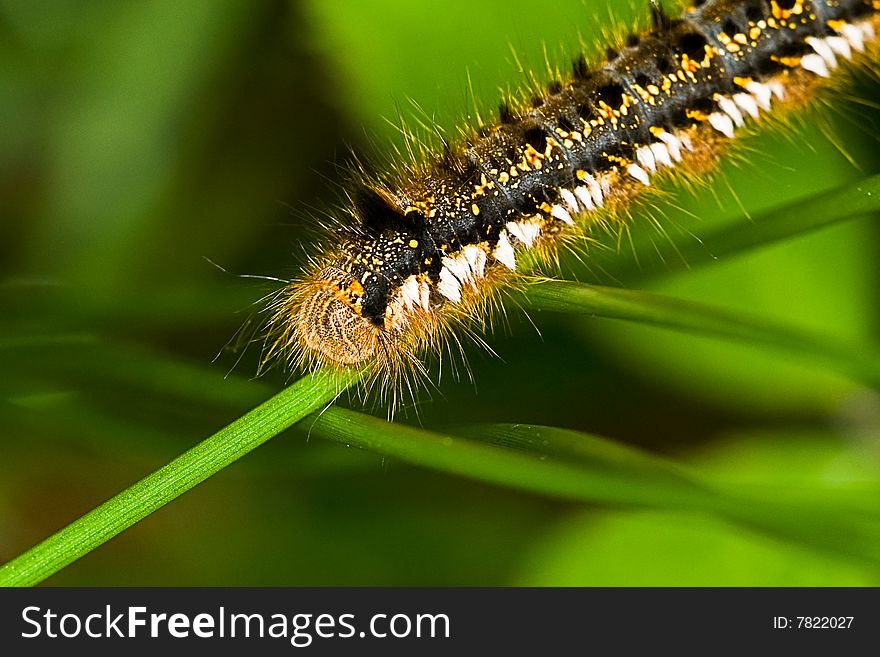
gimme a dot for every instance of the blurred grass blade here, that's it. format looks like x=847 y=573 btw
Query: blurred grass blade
x=861 y=362
x=81 y=360
x=824 y=517
x=612 y=477
x=573 y=465
x=187 y=470
x=848 y=202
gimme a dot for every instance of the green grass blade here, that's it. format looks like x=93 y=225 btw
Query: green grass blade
x=189 y=469
x=821 y=210
x=573 y=465
x=606 y=481
x=825 y=518
x=858 y=361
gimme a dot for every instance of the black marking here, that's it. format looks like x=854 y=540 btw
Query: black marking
x=693 y=45
x=506 y=113
x=586 y=111
x=610 y=94
x=664 y=58
x=536 y=137
x=755 y=11
x=377 y=212
x=579 y=68
x=460 y=165
x=729 y=27
x=565 y=123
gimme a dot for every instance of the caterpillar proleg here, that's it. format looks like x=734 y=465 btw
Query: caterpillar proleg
x=416 y=261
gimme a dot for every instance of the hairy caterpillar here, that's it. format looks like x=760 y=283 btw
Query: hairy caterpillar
x=415 y=261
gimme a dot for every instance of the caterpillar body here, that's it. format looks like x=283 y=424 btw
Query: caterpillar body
x=416 y=261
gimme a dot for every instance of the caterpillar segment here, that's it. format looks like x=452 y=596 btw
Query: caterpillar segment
x=422 y=258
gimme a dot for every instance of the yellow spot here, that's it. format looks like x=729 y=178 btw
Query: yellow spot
x=413 y=244
x=531 y=157
x=475 y=209
x=791 y=62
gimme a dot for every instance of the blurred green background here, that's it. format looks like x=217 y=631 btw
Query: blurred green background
x=139 y=140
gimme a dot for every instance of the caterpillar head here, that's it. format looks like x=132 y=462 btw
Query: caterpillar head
x=319 y=320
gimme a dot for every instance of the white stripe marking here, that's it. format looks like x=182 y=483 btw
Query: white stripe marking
x=729 y=107
x=569 y=199
x=761 y=92
x=595 y=190
x=449 y=286
x=425 y=295
x=476 y=260
x=673 y=143
x=854 y=36
x=686 y=141
x=583 y=195
x=777 y=89
x=815 y=64
x=661 y=154
x=562 y=214
x=503 y=252
x=409 y=292
x=646 y=158
x=823 y=50
x=840 y=46
x=748 y=104
x=722 y=123
x=525 y=231
x=639 y=174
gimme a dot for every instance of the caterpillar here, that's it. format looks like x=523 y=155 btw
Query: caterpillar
x=413 y=262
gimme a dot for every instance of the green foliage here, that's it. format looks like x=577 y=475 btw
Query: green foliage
x=738 y=448
x=187 y=470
